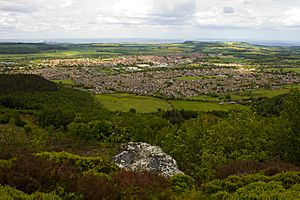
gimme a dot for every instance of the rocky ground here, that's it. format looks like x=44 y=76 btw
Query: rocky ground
x=144 y=157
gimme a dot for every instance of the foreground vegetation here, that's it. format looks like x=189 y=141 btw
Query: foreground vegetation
x=58 y=143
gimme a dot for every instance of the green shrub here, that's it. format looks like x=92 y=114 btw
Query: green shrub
x=181 y=183
x=9 y=193
x=253 y=183
x=7 y=163
x=260 y=190
x=84 y=164
x=221 y=195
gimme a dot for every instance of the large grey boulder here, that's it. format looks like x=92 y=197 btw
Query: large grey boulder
x=144 y=157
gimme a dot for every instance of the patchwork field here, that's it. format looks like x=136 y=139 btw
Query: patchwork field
x=235 y=96
x=124 y=102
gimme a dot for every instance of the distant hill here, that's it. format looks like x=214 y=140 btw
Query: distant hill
x=28 y=48
x=18 y=83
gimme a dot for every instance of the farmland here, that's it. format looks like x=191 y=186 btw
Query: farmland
x=124 y=102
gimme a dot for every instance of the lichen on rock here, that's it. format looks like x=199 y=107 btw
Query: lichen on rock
x=144 y=157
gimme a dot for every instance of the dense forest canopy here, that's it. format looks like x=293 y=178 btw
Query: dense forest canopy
x=18 y=83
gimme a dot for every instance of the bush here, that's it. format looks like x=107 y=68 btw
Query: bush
x=253 y=183
x=9 y=193
x=82 y=163
x=56 y=117
x=260 y=190
x=181 y=183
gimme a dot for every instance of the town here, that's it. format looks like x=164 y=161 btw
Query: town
x=158 y=76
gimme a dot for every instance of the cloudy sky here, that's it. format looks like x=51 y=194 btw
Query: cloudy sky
x=173 y=19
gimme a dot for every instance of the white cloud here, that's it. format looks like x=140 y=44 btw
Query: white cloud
x=147 y=18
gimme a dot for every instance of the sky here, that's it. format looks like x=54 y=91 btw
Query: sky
x=166 y=19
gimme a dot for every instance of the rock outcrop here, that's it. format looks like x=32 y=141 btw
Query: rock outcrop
x=144 y=157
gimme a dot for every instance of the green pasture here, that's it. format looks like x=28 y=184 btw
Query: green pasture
x=124 y=102
x=203 y=106
x=98 y=50
x=256 y=93
x=54 y=55
x=65 y=81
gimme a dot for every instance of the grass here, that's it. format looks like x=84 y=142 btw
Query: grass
x=268 y=93
x=256 y=93
x=53 y=55
x=124 y=102
x=265 y=92
x=205 y=98
x=203 y=106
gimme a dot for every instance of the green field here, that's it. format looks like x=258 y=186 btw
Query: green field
x=205 y=98
x=203 y=106
x=124 y=102
x=256 y=93
x=27 y=52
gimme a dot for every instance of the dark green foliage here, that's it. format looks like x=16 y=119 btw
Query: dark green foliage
x=272 y=106
x=12 y=141
x=132 y=110
x=28 y=48
x=271 y=190
x=9 y=193
x=4 y=118
x=64 y=98
x=83 y=164
x=182 y=183
x=177 y=117
x=100 y=130
x=287 y=136
x=56 y=117
x=12 y=118
x=237 y=184
x=200 y=148
x=16 y=120
x=22 y=83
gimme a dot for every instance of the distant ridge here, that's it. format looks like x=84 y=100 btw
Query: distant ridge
x=148 y=40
